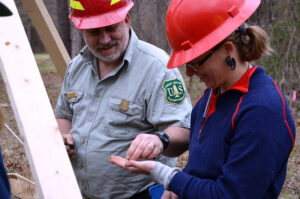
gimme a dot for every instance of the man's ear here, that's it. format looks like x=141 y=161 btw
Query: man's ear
x=127 y=20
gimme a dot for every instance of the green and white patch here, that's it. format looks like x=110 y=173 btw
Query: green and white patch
x=174 y=91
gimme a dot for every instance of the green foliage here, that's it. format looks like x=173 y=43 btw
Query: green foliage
x=282 y=26
x=45 y=64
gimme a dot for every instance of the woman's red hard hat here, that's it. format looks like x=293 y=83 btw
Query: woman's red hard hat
x=195 y=26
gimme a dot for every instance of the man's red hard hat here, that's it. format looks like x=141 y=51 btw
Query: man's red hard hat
x=89 y=14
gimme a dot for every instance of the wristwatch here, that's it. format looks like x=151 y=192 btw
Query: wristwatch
x=164 y=138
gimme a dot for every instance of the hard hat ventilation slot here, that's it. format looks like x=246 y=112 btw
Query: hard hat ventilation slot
x=233 y=11
x=186 y=45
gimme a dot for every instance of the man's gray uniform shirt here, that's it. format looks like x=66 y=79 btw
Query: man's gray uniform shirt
x=139 y=96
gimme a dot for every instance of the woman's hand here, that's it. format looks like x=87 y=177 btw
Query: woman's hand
x=169 y=195
x=141 y=167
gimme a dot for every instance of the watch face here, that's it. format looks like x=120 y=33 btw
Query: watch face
x=164 y=138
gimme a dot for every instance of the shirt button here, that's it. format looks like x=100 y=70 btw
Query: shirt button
x=82 y=142
x=90 y=119
x=85 y=188
x=81 y=166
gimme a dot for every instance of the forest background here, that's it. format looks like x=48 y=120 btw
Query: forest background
x=280 y=18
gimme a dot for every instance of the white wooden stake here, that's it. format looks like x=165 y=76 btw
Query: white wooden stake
x=48 y=159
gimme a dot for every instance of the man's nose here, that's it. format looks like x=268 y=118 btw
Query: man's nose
x=104 y=37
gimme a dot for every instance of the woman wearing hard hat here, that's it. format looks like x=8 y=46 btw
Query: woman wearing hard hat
x=242 y=130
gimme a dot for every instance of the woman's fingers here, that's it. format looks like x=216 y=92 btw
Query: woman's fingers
x=119 y=161
x=142 y=167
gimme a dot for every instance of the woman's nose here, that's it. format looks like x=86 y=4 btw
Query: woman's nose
x=189 y=71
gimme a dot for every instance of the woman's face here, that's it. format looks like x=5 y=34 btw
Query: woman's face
x=210 y=68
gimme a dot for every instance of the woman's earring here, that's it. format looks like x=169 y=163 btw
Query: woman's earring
x=230 y=62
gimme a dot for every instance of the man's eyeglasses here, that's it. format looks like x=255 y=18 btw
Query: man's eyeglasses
x=196 y=66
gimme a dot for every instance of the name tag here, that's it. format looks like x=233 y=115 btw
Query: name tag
x=71 y=95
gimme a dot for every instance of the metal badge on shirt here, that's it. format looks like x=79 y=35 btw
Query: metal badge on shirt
x=124 y=105
x=174 y=91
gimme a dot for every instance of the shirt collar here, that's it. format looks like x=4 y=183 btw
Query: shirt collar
x=85 y=53
x=89 y=58
x=130 y=48
x=243 y=83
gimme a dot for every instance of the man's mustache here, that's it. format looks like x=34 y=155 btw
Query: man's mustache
x=107 y=46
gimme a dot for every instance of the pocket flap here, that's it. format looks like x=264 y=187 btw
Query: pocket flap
x=125 y=106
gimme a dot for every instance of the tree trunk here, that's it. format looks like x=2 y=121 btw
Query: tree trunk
x=148 y=21
x=63 y=23
x=77 y=40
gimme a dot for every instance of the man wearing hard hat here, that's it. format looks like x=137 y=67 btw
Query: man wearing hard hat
x=119 y=98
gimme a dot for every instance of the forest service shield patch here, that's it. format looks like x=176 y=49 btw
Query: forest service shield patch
x=174 y=91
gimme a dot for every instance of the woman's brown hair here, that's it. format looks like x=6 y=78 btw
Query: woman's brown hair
x=252 y=43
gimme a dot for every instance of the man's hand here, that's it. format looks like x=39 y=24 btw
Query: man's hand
x=64 y=128
x=141 y=167
x=144 y=146
x=69 y=143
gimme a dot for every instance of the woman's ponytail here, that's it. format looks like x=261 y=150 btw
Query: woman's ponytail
x=251 y=44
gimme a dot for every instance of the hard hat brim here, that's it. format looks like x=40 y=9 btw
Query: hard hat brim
x=182 y=56
x=102 y=20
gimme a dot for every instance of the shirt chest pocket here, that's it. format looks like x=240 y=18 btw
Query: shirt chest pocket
x=74 y=100
x=123 y=115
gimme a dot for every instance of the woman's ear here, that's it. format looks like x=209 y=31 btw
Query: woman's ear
x=229 y=46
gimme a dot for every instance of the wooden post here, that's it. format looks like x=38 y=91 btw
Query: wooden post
x=45 y=27
x=48 y=159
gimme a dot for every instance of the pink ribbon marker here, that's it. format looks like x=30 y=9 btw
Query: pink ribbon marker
x=294 y=96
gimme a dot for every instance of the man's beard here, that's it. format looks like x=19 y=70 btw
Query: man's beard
x=111 y=57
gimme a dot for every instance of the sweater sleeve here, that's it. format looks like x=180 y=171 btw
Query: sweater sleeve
x=163 y=174
x=259 y=150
